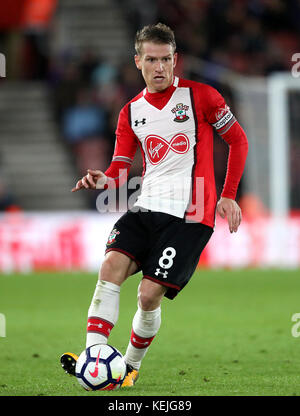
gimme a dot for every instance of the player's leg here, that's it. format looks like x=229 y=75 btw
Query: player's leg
x=104 y=308
x=168 y=268
x=145 y=325
x=124 y=252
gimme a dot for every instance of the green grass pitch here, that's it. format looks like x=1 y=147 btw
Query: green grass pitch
x=227 y=334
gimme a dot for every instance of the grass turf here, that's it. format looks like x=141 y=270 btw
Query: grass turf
x=227 y=334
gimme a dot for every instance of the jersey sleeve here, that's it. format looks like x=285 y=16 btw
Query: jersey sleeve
x=218 y=114
x=216 y=111
x=124 y=151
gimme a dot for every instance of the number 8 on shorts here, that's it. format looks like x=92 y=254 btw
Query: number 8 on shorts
x=166 y=260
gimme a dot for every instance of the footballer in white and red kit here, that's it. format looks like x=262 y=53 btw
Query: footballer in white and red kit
x=163 y=235
x=174 y=130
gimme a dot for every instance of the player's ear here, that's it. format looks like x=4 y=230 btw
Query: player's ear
x=175 y=59
x=137 y=60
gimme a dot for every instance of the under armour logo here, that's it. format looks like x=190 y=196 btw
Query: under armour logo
x=137 y=122
x=96 y=325
x=138 y=342
x=164 y=273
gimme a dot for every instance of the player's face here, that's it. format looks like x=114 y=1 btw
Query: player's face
x=157 y=63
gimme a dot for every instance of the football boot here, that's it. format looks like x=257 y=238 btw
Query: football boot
x=131 y=376
x=68 y=362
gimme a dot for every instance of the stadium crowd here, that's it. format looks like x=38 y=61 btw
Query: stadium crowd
x=253 y=37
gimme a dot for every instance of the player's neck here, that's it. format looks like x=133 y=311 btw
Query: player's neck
x=161 y=98
x=161 y=92
x=165 y=91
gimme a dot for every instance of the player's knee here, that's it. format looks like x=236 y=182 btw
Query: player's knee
x=148 y=301
x=110 y=272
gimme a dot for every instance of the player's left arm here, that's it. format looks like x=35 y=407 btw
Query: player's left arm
x=231 y=131
x=238 y=149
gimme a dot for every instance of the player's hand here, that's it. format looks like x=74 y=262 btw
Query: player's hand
x=228 y=208
x=95 y=179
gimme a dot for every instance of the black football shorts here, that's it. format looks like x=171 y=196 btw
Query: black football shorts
x=165 y=248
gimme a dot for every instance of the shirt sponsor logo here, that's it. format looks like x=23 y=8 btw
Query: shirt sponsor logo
x=157 y=148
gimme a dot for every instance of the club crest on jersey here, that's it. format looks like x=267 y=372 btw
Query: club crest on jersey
x=158 y=148
x=180 y=112
x=112 y=237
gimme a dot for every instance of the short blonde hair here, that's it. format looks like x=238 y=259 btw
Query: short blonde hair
x=158 y=33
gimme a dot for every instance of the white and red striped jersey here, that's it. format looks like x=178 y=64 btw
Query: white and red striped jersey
x=174 y=130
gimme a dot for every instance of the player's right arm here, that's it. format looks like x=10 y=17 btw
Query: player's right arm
x=94 y=179
x=117 y=173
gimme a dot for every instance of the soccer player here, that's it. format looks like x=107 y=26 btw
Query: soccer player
x=163 y=235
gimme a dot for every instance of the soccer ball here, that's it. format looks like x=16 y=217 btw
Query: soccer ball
x=100 y=367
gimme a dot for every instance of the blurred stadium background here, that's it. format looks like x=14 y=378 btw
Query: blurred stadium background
x=69 y=70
